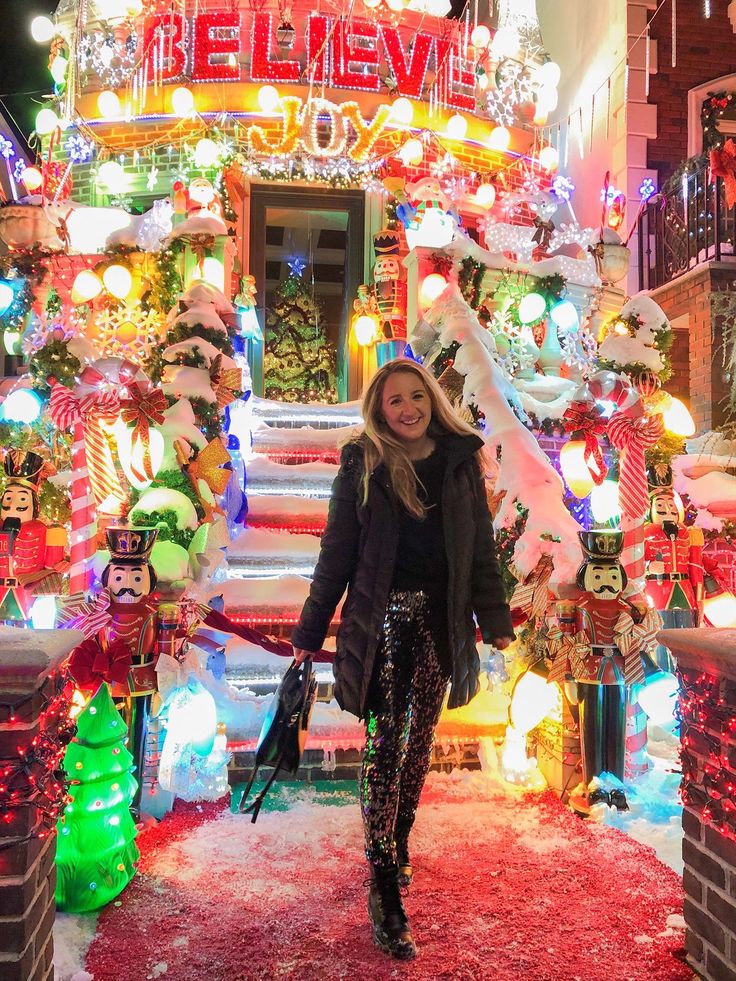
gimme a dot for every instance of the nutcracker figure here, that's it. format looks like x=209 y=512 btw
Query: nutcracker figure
x=31 y=554
x=132 y=631
x=674 y=561
x=597 y=645
x=389 y=286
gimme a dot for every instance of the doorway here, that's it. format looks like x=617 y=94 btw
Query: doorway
x=307 y=257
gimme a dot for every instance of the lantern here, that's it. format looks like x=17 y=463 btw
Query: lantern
x=43 y=30
x=658 y=697
x=182 y=101
x=118 y=281
x=532 y=700
x=206 y=153
x=268 y=98
x=7 y=295
x=719 y=605
x=108 y=104
x=46 y=122
x=32 y=178
x=11 y=340
x=402 y=111
x=43 y=613
x=677 y=418
x=131 y=454
x=365 y=328
x=485 y=196
x=604 y=502
x=575 y=469
x=565 y=315
x=86 y=287
x=481 y=36
x=412 y=153
x=532 y=308
x=457 y=127
x=431 y=287
x=499 y=139
x=22 y=406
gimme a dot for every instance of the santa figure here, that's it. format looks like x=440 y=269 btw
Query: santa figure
x=31 y=554
x=673 y=555
x=597 y=646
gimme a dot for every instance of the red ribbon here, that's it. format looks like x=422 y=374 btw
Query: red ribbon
x=723 y=164
x=583 y=420
x=90 y=665
x=632 y=436
x=145 y=405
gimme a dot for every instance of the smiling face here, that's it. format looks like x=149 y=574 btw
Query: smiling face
x=17 y=502
x=603 y=579
x=128 y=583
x=405 y=406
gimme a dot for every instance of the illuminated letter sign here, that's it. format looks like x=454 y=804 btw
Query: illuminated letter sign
x=216 y=36
x=262 y=69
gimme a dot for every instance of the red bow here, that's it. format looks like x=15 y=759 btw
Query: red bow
x=145 y=405
x=631 y=436
x=583 y=420
x=90 y=666
x=723 y=164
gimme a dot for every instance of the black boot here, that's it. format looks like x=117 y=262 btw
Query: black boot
x=406 y=872
x=390 y=924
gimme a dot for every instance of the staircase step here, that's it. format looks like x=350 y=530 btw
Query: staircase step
x=299 y=515
x=311 y=480
x=272 y=605
x=319 y=415
x=258 y=553
x=301 y=445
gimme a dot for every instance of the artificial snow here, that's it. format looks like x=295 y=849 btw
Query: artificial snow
x=198 y=345
x=703 y=477
x=179 y=424
x=200 y=223
x=73 y=934
x=181 y=381
x=622 y=350
x=165 y=499
x=200 y=314
x=524 y=474
x=650 y=313
x=545 y=396
x=713 y=444
x=281 y=437
x=264 y=542
x=201 y=292
x=271 y=507
x=263 y=599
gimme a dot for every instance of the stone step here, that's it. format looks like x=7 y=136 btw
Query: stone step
x=300 y=445
x=261 y=552
x=294 y=415
x=304 y=480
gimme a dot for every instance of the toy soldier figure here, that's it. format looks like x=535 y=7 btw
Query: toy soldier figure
x=599 y=645
x=673 y=555
x=30 y=552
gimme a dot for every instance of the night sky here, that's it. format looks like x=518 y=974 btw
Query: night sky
x=23 y=63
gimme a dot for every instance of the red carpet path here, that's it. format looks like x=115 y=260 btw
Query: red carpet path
x=505 y=889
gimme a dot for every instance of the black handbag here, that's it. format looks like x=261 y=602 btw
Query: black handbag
x=284 y=730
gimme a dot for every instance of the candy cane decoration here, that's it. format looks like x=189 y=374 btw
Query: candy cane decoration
x=84 y=526
x=632 y=434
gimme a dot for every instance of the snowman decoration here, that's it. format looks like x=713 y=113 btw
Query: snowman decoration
x=432 y=226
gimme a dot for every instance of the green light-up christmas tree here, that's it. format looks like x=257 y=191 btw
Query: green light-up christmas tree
x=96 y=851
x=299 y=363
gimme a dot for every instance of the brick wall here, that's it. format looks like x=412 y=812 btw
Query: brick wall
x=708 y=704
x=33 y=706
x=705 y=385
x=706 y=48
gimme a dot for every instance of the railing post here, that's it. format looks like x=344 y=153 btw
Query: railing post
x=718 y=188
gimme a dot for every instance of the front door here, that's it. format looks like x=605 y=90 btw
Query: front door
x=306 y=253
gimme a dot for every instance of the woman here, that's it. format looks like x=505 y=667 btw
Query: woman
x=410 y=535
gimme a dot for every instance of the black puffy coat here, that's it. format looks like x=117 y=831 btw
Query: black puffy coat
x=359 y=550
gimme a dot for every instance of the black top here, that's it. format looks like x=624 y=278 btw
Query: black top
x=421 y=557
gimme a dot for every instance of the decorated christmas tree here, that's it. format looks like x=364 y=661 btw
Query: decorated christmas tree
x=96 y=852
x=299 y=362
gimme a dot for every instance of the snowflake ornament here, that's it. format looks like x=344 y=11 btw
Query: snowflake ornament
x=128 y=331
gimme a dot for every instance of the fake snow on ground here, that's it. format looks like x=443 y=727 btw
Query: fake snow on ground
x=507 y=884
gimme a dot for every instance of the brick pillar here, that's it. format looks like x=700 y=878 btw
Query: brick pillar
x=706 y=661
x=33 y=711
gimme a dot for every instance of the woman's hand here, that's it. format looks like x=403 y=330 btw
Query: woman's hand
x=301 y=655
x=501 y=643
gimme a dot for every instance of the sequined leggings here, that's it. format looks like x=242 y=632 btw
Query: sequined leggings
x=405 y=700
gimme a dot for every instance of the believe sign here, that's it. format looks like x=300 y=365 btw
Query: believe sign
x=335 y=52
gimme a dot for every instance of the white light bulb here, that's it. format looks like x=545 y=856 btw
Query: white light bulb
x=457 y=127
x=43 y=30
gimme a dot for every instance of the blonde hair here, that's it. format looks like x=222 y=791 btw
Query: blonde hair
x=380 y=445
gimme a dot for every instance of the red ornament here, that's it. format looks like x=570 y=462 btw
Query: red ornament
x=647 y=383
